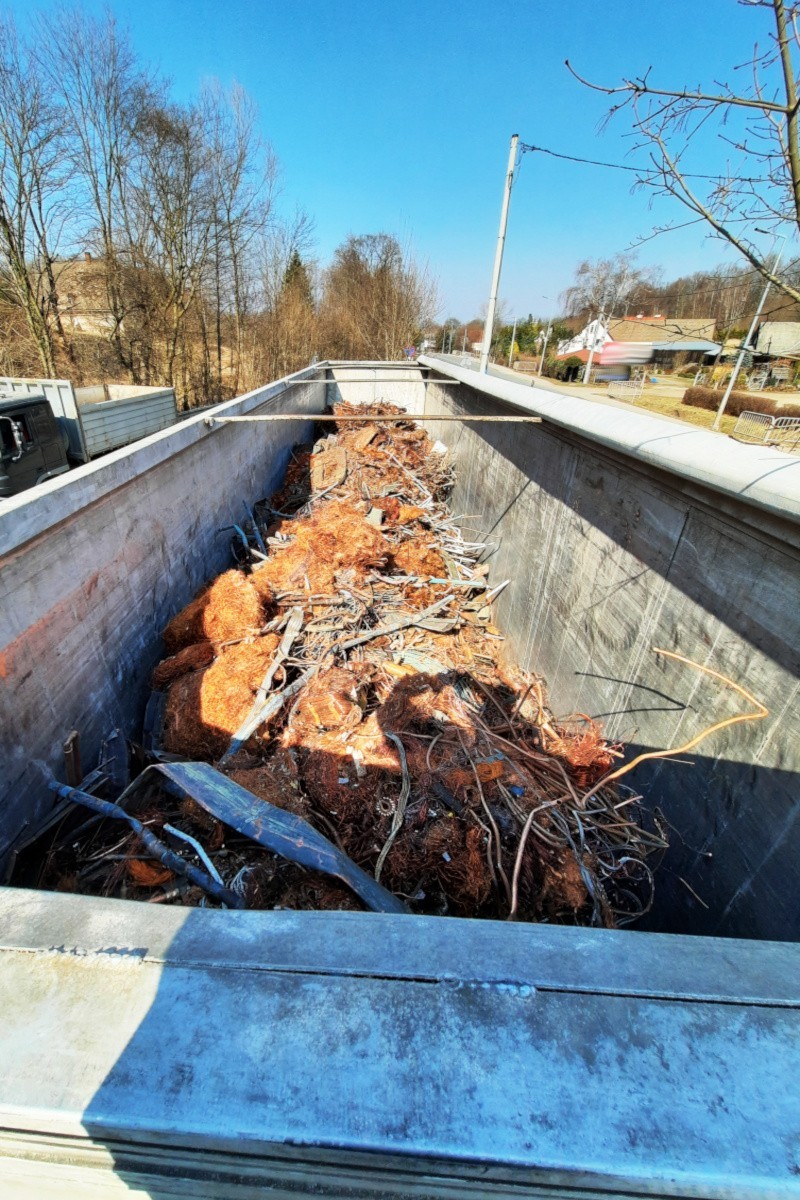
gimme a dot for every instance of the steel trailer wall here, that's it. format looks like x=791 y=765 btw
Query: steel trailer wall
x=610 y=555
x=118 y=422
x=168 y=1051
x=94 y=563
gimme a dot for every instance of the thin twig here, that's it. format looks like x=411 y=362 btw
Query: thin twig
x=400 y=810
x=695 y=741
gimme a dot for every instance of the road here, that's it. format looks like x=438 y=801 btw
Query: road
x=545 y=384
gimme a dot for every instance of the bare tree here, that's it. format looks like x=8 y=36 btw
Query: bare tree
x=757 y=186
x=285 y=332
x=243 y=182
x=376 y=300
x=175 y=211
x=101 y=90
x=33 y=193
x=607 y=285
x=188 y=277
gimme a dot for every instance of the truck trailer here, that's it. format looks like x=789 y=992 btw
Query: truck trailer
x=156 y=1050
x=96 y=419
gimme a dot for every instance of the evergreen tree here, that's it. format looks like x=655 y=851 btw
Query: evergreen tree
x=297 y=281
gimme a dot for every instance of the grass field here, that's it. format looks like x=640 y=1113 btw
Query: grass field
x=670 y=406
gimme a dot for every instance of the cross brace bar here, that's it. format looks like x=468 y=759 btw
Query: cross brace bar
x=348 y=382
x=368 y=419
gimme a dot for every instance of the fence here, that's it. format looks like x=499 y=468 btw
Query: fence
x=783 y=432
x=629 y=390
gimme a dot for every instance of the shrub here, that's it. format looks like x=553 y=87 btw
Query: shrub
x=738 y=402
x=570 y=366
x=560 y=368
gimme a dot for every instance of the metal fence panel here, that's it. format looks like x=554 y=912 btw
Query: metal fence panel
x=625 y=390
x=785 y=433
x=753 y=426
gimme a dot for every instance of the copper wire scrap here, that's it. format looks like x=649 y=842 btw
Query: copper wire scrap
x=355 y=677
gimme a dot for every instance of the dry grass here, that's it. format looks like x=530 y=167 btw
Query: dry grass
x=670 y=406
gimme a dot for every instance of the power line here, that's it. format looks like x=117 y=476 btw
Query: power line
x=593 y=162
x=650 y=292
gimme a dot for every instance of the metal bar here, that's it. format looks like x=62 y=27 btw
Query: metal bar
x=274 y=828
x=421 y=379
x=369 y=418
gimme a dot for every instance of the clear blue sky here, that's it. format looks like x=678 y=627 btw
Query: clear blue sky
x=396 y=117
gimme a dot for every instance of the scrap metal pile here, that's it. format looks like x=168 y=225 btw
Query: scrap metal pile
x=348 y=672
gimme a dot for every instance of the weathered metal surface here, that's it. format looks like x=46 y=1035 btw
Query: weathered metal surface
x=620 y=558
x=426 y=1071
x=596 y=961
x=94 y=565
x=274 y=828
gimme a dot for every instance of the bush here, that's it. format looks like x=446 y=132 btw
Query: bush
x=738 y=402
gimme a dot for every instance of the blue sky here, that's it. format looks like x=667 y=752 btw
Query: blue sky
x=396 y=117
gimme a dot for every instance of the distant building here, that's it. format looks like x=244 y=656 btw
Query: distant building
x=779 y=339
x=664 y=341
x=81 y=287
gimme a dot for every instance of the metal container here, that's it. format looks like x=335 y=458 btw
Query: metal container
x=218 y=1053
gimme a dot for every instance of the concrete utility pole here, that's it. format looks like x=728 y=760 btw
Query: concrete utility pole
x=498 y=256
x=548 y=331
x=746 y=343
x=593 y=347
x=513 y=339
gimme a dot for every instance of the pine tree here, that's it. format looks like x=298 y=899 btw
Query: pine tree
x=297 y=281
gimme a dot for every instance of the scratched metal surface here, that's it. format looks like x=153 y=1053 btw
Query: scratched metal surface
x=173 y=1036
x=620 y=557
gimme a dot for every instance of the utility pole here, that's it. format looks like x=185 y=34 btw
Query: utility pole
x=593 y=347
x=513 y=339
x=548 y=331
x=498 y=255
x=746 y=343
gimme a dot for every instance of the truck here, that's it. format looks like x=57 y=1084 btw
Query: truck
x=33 y=446
x=94 y=420
x=164 y=1050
